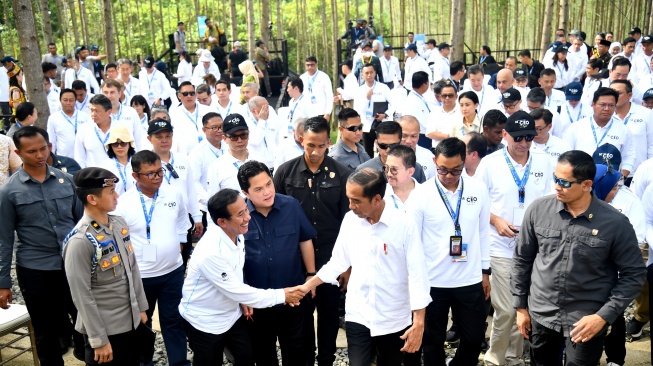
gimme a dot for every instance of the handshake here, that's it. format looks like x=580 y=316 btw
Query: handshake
x=295 y=294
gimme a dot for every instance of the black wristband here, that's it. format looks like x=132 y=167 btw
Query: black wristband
x=487 y=271
x=309 y=274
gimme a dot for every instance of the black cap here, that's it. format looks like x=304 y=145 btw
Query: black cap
x=9 y=59
x=180 y=23
x=562 y=48
x=635 y=30
x=647 y=39
x=648 y=94
x=411 y=47
x=511 y=95
x=95 y=47
x=80 y=49
x=94 y=177
x=605 y=42
x=387 y=47
x=148 y=62
x=233 y=123
x=519 y=73
x=159 y=125
x=520 y=123
x=365 y=44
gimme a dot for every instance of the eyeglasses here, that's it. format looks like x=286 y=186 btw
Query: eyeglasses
x=448 y=96
x=242 y=136
x=354 y=128
x=540 y=129
x=444 y=171
x=606 y=106
x=159 y=173
x=565 y=183
x=121 y=144
x=391 y=169
x=510 y=106
x=528 y=138
x=383 y=146
x=214 y=128
x=192 y=94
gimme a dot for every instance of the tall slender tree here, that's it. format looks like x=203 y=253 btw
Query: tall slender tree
x=45 y=17
x=108 y=30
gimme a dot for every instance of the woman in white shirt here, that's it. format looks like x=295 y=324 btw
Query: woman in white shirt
x=562 y=66
x=120 y=148
x=185 y=68
x=470 y=122
x=139 y=103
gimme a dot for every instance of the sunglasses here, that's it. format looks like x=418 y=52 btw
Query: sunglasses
x=192 y=94
x=390 y=169
x=444 y=171
x=448 y=96
x=121 y=144
x=383 y=146
x=354 y=128
x=565 y=183
x=172 y=171
x=159 y=173
x=242 y=136
x=528 y=138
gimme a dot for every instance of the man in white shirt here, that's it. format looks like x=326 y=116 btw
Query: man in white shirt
x=417 y=106
x=530 y=172
x=647 y=98
x=578 y=53
x=91 y=138
x=442 y=68
x=263 y=130
x=52 y=95
x=638 y=120
x=399 y=168
x=442 y=119
x=130 y=83
x=290 y=147
x=574 y=110
x=154 y=85
x=476 y=145
x=487 y=95
x=389 y=280
x=536 y=99
x=222 y=172
x=158 y=220
x=414 y=64
x=187 y=120
x=601 y=128
x=205 y=66
x=390 y=65
x=454 y=214
x=547 y=81
x=318 y=85
x=83 y=96
x=4 y=94
x=63 y=125
x=203 y=93
x=79 y=72
x=350 y=84
x=124 y=115
x=410 y=137
x=628 y=52
x=550 y=144
x=642 y=62
x=216 y=303
x=222 y=98
x=300 y=105
x=365 y=103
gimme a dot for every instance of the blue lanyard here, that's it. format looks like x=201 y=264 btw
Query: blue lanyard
x=559 y=69
x=18 y=124
x=148 y=217
x=70 y=120
x=149 y=80
x=445 y=59
x=197 y=110
x=423 y=100
x=482 y=59
x=106 y=137
x=237 y=166
x=480 y=106
x=648 y=64
x=395 y=201
x=129 y=93
x=580 y=109
x=455 y=215
x=548 y=100
x=627 y=118
x=453 y=83
x=369 y=102
x=144 y=120
x=387 y=65
x=310 y=83
x=117 y=116
x=521 y=183
x=214 y=151
x=122 y=171
x=462 y=129
x=168 y=176
x=292 y=113
x=82 y=104
x=228 y=109
x=598 y=142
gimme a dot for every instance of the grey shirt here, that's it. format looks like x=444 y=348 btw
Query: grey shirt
x=344 y=155
x=565 y=268
x=42 y=214
x=107 y=291
x=180 y=37
x=376 y=164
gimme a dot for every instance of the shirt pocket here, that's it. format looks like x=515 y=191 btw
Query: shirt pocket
x=548 y=240
x=252 y=248
x=284 y=235
x=593 y=249
x=31 y=206
x=295 y=187
x=329 y=190
x=64 y=200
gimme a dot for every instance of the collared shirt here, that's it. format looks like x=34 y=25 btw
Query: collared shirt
x=109 y=295
x=430 y=213
x=556 y=98
x=65 y=164
x=263 y=136
x=565 y=268
x=213 y=289
x=89 y=143
x=168 y=228
x=223 y=173
x=54 y=105
x=41 y=214
x=231 y=108
x=200 y=159
x=131 y=88
x=641 y=67
x=388 y=277
x=642 y=179
x=630 y=206
x=322 y=196
x=349 y=87
x=288 y=149
x=413 y=65
x=62 y=131
x=376 y=164
x=200 y=71
x=56 y=59
x=185 y=183
x=84 y=75
x=187 y=127
x=343 y=154
x=391 y=70
x=393 y=201
x=493 y=170
x=128 y=117
x=647 y=203
x=319 y=92
x=272 y=255
x=441 y=121
x=580 y=136
x=180 y=36
x=443 y=68
x=365 y=107
x=460 y=129
x=184 y=71
x=84 y=106
x=488 y=97
x=417 y=107
x=639 y=121
x=564 y=75
x=123 y=172
x=554 y=147
x=153 y=86
x=300 y=108
x=570 y=115
x=425 y=159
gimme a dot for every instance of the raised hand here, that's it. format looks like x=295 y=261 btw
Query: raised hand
x=294 y=295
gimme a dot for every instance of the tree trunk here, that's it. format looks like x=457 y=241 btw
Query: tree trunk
x=47 y=25
x=197 y=11
x=84 y=17
x=325 y=42
x=31 y=58
x=402 y=19
x=250 y=27
x=334 y=37
x=164 y=37
x=265 y=21
x=650 y=17
x=546 y=28
x=457 y=29
x=119 y=27
x=108 y=31
x=279 y=21
x=73 y=18
x=370 y=8
x=152 y=34
x=234 y=20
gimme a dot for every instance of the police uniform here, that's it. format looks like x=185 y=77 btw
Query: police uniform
x=104 y=279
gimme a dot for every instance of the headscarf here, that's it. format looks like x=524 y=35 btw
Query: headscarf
x=616 y=44
x=248 y=69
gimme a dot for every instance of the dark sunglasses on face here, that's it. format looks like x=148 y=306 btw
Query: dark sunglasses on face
x=192 y=94
x=444 y=171
x=354 y=128
x=565 y=183
x=528 y=138
x=383 y=146
x=243 y=136
x=121 y=144
x=159 y=173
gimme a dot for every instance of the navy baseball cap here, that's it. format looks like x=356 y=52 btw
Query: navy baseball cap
x=635 y=30
x=9 y=59
x=519 y=73
x=648 y=94
x=411 y=47
x=607 y=154
x=574 y=91
x=159 y=125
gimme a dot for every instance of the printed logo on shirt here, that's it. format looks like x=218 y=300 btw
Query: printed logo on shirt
x=638 y=120
x=471 y=200
x=225 y=276
x=614 y=137
x=170 y=205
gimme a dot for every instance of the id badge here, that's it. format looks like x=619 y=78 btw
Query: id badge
x=149 y=253
x=518 y=216
x=463 y=255
x=313 y=99
x=455 y=245
x=368 y=116
x=150 y=95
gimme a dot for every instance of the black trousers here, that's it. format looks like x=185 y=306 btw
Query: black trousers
x=390 y=84
x=6 y=110
x=467 y=305
x=187 y=247
x=615 y=341
x=368 y=142
x=124 y=347
x=48 y=301
x=285 y=323
x=362 y=346
x=649 y=278
x=326 y=301
x=547 y=343
x=208 y=348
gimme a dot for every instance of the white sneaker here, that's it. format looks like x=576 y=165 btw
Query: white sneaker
x=449 y=360
x=613 y=364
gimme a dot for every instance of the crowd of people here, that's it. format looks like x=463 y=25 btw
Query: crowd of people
x=524 y=195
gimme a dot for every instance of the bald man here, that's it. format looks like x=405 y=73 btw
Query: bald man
x=409 y=136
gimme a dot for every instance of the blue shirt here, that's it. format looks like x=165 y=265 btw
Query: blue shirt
x=272 y=255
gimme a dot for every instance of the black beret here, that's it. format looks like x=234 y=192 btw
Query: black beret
x=94 y=177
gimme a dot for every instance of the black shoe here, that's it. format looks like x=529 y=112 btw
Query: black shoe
x=65 y=344
x=452 y=334
x=79 y=354
x=634 y=328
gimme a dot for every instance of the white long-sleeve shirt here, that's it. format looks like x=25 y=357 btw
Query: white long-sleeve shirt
x=187 y=127
x=413 y=65
x=288 y=149
x=564 y=75
x=84 y=75
x=554 y=147
x=262 y=138
x=388 y=277
x=319 y=92
x=417 y=107
x=431 y=214
x=639 y=121
x=349 y=87
x=199 y=72
x=391 y=70
x=213 y=289
x=365 y=107
x=131 y=88
x=441 y=121
x=628 y=204
x=642 y=178
x=647 y=203
x=200 y=158
x=124 y=172
x=569 y=115
x=153 y=86
x=488 y=97
x=641 y=66
x=184 y=71
x=62 y=130
x=223 y=173
x=185 y=183
x=128 y=117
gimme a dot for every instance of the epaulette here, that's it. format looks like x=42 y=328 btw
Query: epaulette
x=98 y=247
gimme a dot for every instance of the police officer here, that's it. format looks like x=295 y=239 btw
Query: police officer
x=105 y=282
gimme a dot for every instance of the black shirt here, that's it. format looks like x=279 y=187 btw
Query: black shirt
x=220 y=57
x=322 y=196
x=533 y=73
x=236 y=57
x=65 y=164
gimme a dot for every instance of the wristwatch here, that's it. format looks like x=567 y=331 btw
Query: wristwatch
x=487 y=271
x=310 y=274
